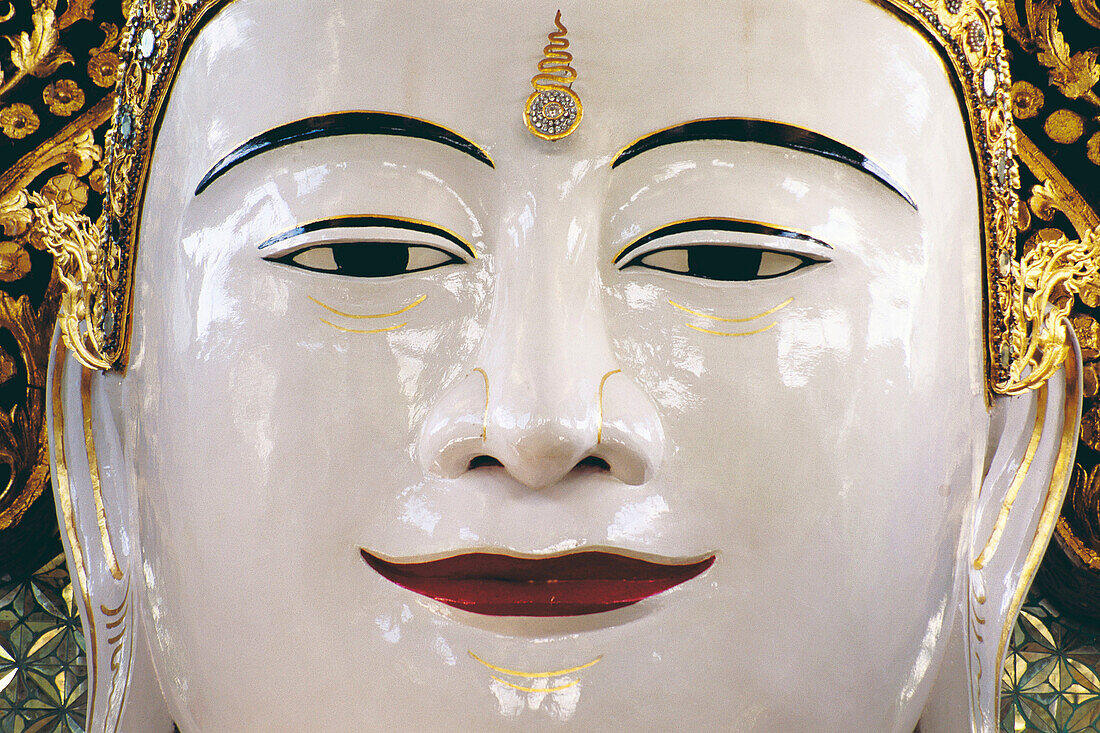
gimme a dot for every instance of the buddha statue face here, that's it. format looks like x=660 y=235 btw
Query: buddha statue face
x=676 y=422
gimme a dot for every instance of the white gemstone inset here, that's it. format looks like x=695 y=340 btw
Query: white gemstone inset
x=553 y=112
x=989 y=81
x=146 y=43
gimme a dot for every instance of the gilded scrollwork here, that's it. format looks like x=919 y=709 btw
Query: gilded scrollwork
x=52 y=117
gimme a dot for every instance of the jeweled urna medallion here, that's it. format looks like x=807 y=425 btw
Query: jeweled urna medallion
x=554 y=110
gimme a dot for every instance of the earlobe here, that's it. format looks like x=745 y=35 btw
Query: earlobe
x=93 y=511
x=1014 y=517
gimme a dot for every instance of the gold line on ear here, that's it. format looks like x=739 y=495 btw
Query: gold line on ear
x=994 y=540
x=93 y=470
x=64 y=498
x=1052 y=504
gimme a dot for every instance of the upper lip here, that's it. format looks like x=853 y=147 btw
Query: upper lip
x=567 y=584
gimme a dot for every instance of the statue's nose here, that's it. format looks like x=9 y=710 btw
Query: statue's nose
x=600 y=422
x=546 y=398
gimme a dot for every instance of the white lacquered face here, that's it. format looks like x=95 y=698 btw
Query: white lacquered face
x=459 y=360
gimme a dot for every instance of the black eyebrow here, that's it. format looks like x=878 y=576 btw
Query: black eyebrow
x=715 y=224
x=343 y=123
x=393 y=222
x=765 y=132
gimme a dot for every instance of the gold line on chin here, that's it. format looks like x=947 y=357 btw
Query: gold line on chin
x=768 y=312
x=723 y=333
x=93 y=469
x=329 y=308
x=368 y=330
x=521 y=688
x=535 y=675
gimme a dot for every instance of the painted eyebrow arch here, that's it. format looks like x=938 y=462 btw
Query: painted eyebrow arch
x=765 y=132
x=713 y=224
x=391 y=222
x=343 y=123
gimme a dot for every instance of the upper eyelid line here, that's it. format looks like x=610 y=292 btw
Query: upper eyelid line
x=745 y=226
x=329 y=308
x=367 y=221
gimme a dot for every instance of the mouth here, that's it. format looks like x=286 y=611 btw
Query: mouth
x=571 y=584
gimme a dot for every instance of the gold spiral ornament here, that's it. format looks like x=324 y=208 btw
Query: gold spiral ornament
x=553 y=110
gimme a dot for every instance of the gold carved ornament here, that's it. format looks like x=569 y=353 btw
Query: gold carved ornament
x=56 y=96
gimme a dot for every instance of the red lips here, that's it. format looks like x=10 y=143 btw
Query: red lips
x=573 y=584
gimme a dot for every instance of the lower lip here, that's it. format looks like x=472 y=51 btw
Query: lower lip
x=573 y=584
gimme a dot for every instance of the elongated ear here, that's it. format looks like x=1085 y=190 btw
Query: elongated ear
x=1021 y=497
x=95 y=512
x=1032 y=441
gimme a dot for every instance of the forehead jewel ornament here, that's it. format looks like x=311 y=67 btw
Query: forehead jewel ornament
x=1026 y=298
x=553 y=110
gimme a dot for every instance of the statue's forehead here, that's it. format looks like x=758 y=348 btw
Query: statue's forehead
x=847 y=69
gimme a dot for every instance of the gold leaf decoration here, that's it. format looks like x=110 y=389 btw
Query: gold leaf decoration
x=1064 y=126
x=15 y=217
x=37 y=53
x=63 y=97
x=103 y=62
x=1027 y=100
x=76 y=10
x=1074 y=74
x=18 y=121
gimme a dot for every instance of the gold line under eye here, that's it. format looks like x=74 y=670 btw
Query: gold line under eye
x=358 y=330
x=700 y=329
x=723 y=333
x=768 y=312
x=329 y=308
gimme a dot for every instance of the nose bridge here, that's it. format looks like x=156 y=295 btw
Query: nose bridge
x=549 y=342
x=535 y=400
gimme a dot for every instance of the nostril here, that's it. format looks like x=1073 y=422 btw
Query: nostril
x=594 y=462
x=481 y=461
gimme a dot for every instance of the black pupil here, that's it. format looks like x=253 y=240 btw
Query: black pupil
x=724 y=263
x=367 y=260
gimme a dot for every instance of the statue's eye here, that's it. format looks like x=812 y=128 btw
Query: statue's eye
x=369 y=259
x=732 y=250
x=368 y=246
x=721 y=262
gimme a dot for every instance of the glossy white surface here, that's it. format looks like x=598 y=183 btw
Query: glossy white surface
x=832 y=462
